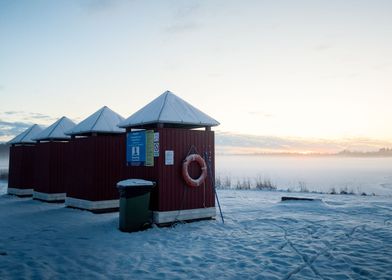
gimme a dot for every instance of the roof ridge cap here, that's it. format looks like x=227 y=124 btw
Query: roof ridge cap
x=96 y=121
x=58 y=122
x=27 y=132
x=163 y=105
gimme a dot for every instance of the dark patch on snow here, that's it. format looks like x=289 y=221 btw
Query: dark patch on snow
x=286 y=198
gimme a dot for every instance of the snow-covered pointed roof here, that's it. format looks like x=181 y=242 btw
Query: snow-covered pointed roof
x=102 y=121
x=27 y=136
x=56 y=131
x=168 y=108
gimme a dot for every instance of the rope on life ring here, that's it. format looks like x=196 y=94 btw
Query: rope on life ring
x=188 y=179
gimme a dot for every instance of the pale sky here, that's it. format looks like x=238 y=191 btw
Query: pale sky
x=308 y=69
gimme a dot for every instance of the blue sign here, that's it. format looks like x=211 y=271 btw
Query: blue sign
x=136 y=148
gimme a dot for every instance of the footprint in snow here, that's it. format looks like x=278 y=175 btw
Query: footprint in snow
x=83 y=238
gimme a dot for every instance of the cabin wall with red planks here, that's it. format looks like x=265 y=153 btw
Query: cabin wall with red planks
x=96 y=165
x=22 y=166
x=172 y=193
x=50 y=167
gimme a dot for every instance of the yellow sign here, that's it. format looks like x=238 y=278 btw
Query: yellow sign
x=149 y=148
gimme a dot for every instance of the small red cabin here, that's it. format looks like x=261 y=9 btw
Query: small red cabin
x=22 y=162
x=97 y=158
x=51 y=161
x=175 y=127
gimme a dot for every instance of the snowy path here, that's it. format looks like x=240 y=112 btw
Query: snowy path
x=343 y=237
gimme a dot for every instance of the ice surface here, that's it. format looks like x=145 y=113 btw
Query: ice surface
x=4 y=163
x=369 y=175
x=340 y=237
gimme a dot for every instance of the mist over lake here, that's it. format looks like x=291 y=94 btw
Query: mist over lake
x=369 y=175
x=3 y=163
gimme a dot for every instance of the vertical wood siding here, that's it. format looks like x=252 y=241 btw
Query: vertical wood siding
x=94 y=167
x=21 y=167
x=50 y=167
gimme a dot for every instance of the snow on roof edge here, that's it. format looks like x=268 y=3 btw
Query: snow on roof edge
x=169 y=122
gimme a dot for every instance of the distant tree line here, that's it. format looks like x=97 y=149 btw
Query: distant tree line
x=383 y=152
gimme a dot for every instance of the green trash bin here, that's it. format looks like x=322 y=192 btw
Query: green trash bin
x=135 y=213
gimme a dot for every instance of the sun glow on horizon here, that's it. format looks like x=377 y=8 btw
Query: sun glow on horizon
x=317 y=70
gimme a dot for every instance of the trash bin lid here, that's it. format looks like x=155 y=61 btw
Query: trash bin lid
x=135 y=183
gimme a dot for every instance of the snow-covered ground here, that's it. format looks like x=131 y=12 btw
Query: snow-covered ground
x=340 y=237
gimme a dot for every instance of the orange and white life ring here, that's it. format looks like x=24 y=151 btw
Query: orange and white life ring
x=188 y=179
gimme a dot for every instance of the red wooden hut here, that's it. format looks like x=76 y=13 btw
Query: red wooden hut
x=51 y=161
x=172 y=132
x=96 y=164
x=21 y=162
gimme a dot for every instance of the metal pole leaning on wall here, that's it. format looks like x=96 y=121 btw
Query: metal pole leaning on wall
x=213 y=184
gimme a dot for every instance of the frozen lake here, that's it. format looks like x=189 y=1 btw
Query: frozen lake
x=3 y=163
x=370 y=175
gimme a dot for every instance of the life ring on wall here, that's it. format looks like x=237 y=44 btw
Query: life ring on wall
x=188 y=179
